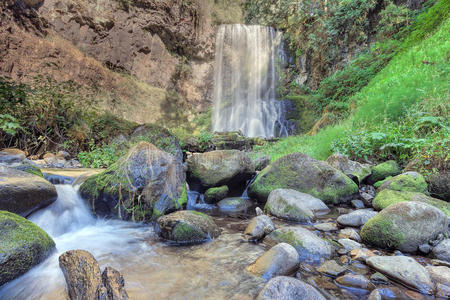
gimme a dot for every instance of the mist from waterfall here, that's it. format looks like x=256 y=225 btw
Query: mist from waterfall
x=246 y=80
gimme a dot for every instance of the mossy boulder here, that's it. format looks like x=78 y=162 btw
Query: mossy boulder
x=294 y=206
x=234 y=205
x=383 y=170
x=29 y=169
x=356 y=171
x=187 y=226
x=404 y=226
x=409 y=181
x=145 y=183
x=217 y=168
x=23 y=193
x=23 y=245
x=309 y=246
x=388 y=197
x=302 y=173
x=215 y=194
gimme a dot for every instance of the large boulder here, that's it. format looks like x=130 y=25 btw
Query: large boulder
x=187 y=226
x=383 y=171
x=309 y=246
x=405 y=226
x=234 y=205
x=442 y=250
x=215 y=194
x=145 y=183
x=302 y=173
x=404 y=269
x=288 y=288
x=356 y=171
x=11 y=156
x=220 y=167
x=281 y=259
x=294 y=206
x=23 y=245
x=388 y=197
x=439 y=184
x=408 y=181
x=23 y=193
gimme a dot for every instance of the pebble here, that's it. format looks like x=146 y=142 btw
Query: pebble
x=332 y=268
x=355 y=281
x=349 y=233
x=349 y=244
x=361 y=254
x=358 y=204
x=326 y=227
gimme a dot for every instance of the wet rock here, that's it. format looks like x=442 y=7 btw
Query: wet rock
x=377 y=277
x=366 y=198
x=294 y=206
x=358 y=204
x=356 y=171
x=349 y=245
x=187 y=227
x=114 y=283
x=375 y=295
x=82 y=274
x=213 y=195
x=220 y=167
x=349 y=233
x=288 y=288
x=404 y=269
x=23 y=193
x=383 y=170
x=406 y=182
x=29 y=168
x=302 y=173
x=281 y=259
x=234 y=205
x=11 y=156
x=261 y=162
x=437 y=262
x=332 y=268
x=258 y=211
x=425 y=248
x=404 y=226
x=23 y=245
x=309 y=246
x=356 y=218
x=355 y=281
x=389 y=197
x=326 y=227
x=439 y=275
x=361 y=254
x=442 y=250
x=258 y=228
x=145 y=183
x=442 y=291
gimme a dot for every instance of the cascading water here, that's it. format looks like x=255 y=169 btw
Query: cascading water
x=246 y=80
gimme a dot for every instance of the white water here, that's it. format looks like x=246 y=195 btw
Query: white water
x=246 y=80
x=152 y=269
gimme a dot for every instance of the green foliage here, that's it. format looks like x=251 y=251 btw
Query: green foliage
x=393 y=18
x=101 y=157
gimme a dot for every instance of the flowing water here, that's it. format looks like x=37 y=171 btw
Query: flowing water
x=248 y=58
x=152 y=269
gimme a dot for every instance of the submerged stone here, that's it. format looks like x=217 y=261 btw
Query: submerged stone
x=22 y=246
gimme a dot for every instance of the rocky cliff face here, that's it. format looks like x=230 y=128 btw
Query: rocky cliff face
x=148 y=56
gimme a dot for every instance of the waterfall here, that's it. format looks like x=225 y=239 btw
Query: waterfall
x=246 y=80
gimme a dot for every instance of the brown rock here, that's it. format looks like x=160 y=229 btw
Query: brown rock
x=355 y=281
x=114 y=283
x=361 y=254
x=332 y=268
x=11 y=155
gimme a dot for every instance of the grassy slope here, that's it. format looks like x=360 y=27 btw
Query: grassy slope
x=417 y=74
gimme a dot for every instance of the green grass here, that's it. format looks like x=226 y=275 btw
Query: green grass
x=416 y=80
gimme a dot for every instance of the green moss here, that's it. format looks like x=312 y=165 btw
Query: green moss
x=216 y=193
x=185 y=232
x=183 y=197
x=379 y=183
x=30 y=169
x=23 y=245
x=382 y=232
x=387 y=197
x=411 y=182
x=384 y=170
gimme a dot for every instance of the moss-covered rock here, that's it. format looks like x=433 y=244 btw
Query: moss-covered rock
x=384 y=170
x=23 y=245
x=356 y=171
x=145 y=183
x=302 y=173
x=187 y=226
x=23 y=193
x=216 y=168
x=404 y=226
x=29 y=169
x=388 y=197
x=409 y=181
x=309 y=246
x=213 y=195
x=234 y=205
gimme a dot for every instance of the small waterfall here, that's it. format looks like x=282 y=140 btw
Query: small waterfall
x=248 y=58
